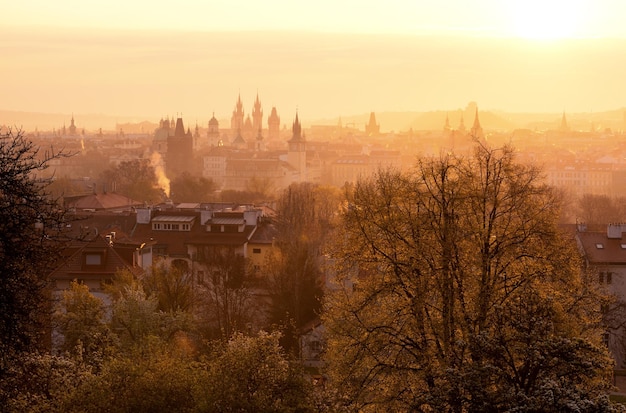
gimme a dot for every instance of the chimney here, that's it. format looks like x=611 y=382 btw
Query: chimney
x=614 y=231
x=144 y=215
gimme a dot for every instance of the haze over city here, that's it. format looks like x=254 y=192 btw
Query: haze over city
x=146 y=60
x=321 y=207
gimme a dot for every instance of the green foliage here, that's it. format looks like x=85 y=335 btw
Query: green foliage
x=81 y=321
x=40 y=383
x=158 y=380
x=457 y=292
x=135 y=179
x=137 y=320
x=252 y=374
x=188 y=188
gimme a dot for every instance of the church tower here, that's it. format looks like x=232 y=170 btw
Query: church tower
x=179 y=157
x=296 y=156
x=236 y=122
x=213 y=134
x=273 y=123
x=446 y=126
x=477 y=131
x=372 y=128
x=461 y=124
x=564 y=127
x=72 y=127
x=259 y=145
x=257 y=114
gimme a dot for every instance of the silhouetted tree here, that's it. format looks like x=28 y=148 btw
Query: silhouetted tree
x=294 y=276
x=225 y=293
x=31 y=235
x=188 y=188
x=135 y=179
x=458 y=293
x=600 y=209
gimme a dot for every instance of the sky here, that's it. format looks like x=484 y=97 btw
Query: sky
x=324 y=59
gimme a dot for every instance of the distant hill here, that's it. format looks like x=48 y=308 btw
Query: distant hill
x=388 y=121
x=48 y=121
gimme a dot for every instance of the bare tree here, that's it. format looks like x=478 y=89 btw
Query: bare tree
x=225 y=297
x=464 y=296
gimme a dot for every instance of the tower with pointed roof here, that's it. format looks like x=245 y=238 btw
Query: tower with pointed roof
x=372 y=128
x=296 y=155
x=564 y=126
x=213 y=134
x=273 y=123
x=476 y=131
x=259 y=144
x=461 y=124
x=446 y=125
x=72 y=127
x=236 y=121
x=179 y=157
x=257 y=114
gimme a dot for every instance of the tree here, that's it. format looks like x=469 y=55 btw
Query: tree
x=81 y=321
x=135 y=179
x=172 y=286
x=600 y=209
x=32 y=228
x=466 y=296
x=294 y=275
x=225 y=292
x=253 y=374
x=188 y=188
x=137 y=321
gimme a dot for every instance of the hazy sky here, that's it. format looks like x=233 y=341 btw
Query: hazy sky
x=326 y=58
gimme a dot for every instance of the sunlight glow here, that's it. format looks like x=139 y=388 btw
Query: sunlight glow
x=547 y=19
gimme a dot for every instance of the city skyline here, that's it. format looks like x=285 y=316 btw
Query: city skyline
x=329 y=61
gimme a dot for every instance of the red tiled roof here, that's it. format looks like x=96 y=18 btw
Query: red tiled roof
x=74 y=266
x=108 y=200
x=600 y=249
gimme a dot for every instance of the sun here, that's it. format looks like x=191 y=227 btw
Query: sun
x=547 y=19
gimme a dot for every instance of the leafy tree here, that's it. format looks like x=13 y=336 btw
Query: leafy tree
x=31 y=235
x=135 y=179
x=458 y=293
x=64 y=187
x=137 y=320
x=264 y=187
x=295 y=278
x=188 y=188
x=40 y=383
x=253 y=374
x=171 y=285
x=159 y=379
x=245 y=197
x=81 y=322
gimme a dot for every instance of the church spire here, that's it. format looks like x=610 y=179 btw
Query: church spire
x=477 y=130
x=297 y=130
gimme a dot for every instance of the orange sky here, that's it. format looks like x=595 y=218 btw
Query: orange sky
x=339 y=58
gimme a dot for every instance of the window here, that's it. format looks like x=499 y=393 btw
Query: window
x=599 y=246
x=93 y=259
x=605 y=277
x=256 y=250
